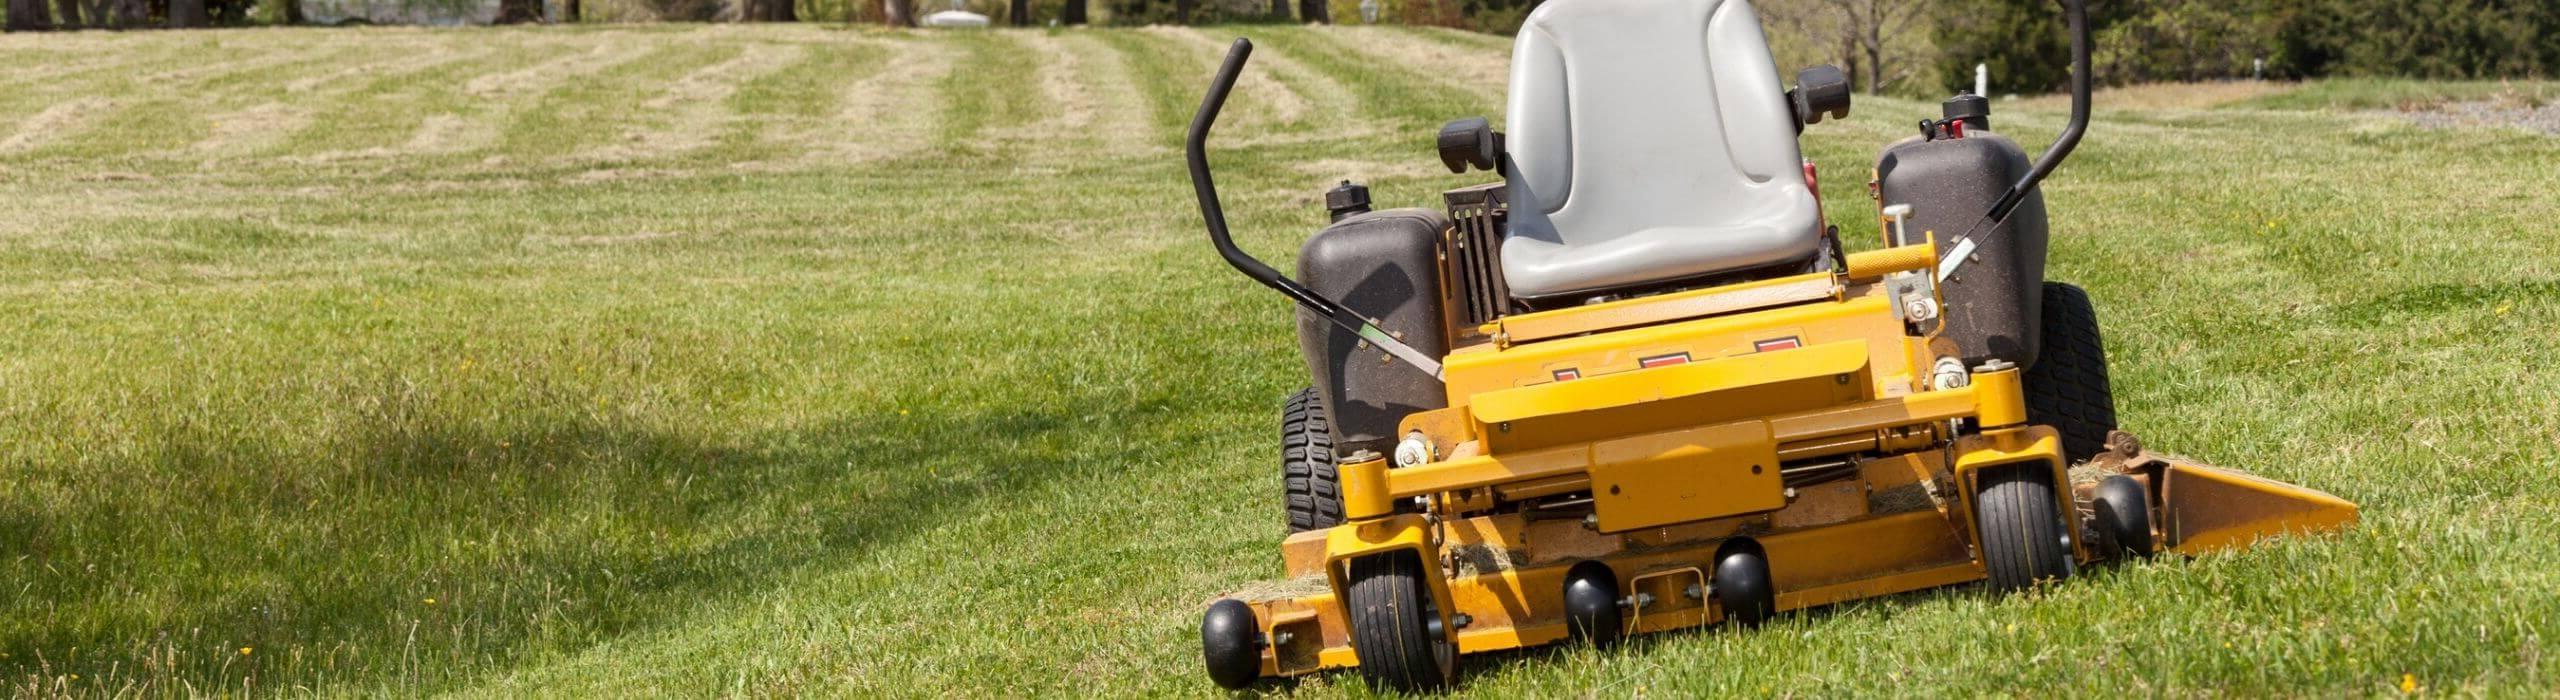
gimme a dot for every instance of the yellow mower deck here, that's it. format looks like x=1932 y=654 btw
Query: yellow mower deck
x=1798 y=415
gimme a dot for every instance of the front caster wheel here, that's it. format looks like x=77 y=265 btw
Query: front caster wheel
x=1392 y=619
x=2022 y=535
x=1742 y=585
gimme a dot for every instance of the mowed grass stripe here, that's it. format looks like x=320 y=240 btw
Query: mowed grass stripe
x=990 y=88
x=616 y=107
x=889 y=112
x=797 y=98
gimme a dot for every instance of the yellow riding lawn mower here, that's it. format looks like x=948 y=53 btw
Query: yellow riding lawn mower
x=1637 y=386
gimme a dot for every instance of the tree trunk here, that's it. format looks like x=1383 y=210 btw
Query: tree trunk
x=768 y=11
x=515 y=11
x=571 y=12
x=66 y=14
x=185 y=14
x=898 y=13
x=1072 y=12
x=1182 y=11
x=28 y=16
x=132 y=13
x=1020 y=13
x=1314 y=11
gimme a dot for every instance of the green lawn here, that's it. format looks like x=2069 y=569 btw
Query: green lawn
x=781 y=360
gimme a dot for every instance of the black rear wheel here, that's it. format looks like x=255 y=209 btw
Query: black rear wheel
x=1312 y=487
x=2067 y=388
x=2021 y=527
x=1392 y=618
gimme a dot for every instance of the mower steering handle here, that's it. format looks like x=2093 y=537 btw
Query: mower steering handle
x=2076 y=14
x=1196 y=150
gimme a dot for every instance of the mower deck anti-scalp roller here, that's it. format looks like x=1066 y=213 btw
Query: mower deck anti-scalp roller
x=1637 y=386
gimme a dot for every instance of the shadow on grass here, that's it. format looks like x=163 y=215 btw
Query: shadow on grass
x=433 y=552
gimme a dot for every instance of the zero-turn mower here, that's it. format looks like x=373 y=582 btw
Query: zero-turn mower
x=1637 y=386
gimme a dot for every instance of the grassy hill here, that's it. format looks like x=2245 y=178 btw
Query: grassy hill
x=781 y=360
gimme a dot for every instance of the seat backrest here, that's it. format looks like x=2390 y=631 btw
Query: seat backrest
x=1649 y=140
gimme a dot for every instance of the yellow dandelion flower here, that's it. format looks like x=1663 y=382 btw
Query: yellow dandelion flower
x=431 y=601
x=2505 y=306
x=2408 y=683
x=244 y=651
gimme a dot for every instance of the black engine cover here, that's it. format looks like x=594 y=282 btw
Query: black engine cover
x=1994 y=300
x=1384 y=265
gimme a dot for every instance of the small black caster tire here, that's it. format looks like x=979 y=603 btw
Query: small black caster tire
x=2123 y=510
x=2021 y=528
x=1591 y=609
x=1231 y=642
x=1743 y=586
x=1392 y=618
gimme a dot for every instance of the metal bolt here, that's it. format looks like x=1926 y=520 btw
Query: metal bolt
x=1281 y=637
x=1637 y=601
x=1695 y=592
x=1591 y=521
x=1464 y=620
x=1994 y=365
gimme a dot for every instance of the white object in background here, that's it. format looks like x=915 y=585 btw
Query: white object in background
x=1368 y=11
x=2257 y=69
x=955 y=17
x=1982 y=79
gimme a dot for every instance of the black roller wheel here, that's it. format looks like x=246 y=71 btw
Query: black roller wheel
x=2067 y=388
x=2123 y=512
x=1231 y=643
x=1392 y=618
x=2021 y=527
x=1743 y=586
x=1591 y=612
x=1313 y=488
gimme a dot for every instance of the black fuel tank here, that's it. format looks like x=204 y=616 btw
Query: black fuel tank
x=1384 y=265
x=1993 y=301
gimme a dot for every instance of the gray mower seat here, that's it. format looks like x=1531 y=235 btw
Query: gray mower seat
x=1649 y=140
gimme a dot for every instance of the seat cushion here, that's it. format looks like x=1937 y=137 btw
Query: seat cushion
x=1649 y=140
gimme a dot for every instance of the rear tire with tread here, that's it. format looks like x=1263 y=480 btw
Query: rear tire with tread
x=1312 y=486
x=2068 y=388
x=2021 y=528
x=1392 y=615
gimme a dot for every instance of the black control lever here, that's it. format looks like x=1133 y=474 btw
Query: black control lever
x=1196 y=150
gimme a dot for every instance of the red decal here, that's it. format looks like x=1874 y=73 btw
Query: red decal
x=1567 y=375
x=1677 y=358
x=1786 y=343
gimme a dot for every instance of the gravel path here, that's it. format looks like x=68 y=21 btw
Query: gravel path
x=2545 y=119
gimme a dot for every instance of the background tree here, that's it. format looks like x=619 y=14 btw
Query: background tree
x=28 y=16
x=187 y=13
x=1072 y=12
x=66 y=14
x=768 y=11
x=1020 y=13
x=2021 y=40
x=898 y=13
x=518 y=11
x=1314 y=11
